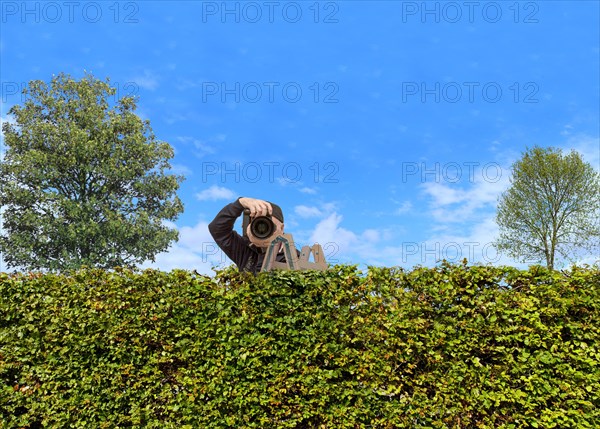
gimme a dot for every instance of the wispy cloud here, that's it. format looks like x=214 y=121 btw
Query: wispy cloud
x=321 y=211
x=306 y=212
x=147 y=80
x=450 y=203
x=587 y=146
x=405 y=207
x=181 y=169
x=215 y=193
x=307 y=190
x=203 y=147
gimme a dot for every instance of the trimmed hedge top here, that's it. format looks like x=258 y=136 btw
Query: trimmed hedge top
x=446 y=347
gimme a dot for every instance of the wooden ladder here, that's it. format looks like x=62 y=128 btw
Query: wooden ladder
x=292 y=260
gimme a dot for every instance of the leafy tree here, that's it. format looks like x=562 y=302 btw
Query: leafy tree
x=552 y=206
x=83 y=180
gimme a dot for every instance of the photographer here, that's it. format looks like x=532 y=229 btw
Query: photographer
x=248 y=251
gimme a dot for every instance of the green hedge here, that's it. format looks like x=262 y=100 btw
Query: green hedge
x=454 y=346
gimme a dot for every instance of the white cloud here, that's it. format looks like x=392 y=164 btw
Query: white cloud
x=371 y=235
x=203 y=146
x=475 y=244
x=215 y=193
x=148 y=80
x=172 y=117
x=341 y=245
x=587 y=146
x=324 y=210
x=195 y=250
x=405 y=207
x=463 y=220
x=181 y=169
x=307 y=190
x=178 y=257
x=306 y=212
x=195 y=237
x=443 y=195
x=473 y=241
x=284 y=181
x=451 y=204
x=329 y=231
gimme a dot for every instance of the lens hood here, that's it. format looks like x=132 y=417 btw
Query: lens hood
x=262 y=227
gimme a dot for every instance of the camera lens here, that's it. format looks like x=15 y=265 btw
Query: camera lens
x=262 y=227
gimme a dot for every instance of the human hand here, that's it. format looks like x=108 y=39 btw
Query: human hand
x=256 y=207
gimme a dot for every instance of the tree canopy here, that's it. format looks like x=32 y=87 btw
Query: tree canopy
x=84 y=180
x=552 y=206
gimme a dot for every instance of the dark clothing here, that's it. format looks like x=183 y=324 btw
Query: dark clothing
x=237 y=248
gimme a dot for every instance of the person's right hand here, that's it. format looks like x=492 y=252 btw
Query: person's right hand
x=256 y=207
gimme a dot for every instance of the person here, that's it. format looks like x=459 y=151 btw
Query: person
x=247 y=252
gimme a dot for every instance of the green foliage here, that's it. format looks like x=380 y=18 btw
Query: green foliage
x=552 y=207
x=83 y=180
x=449 y=347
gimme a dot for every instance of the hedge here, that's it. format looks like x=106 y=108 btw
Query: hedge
x=454 y=346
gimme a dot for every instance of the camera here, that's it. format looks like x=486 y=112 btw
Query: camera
x=262 y=227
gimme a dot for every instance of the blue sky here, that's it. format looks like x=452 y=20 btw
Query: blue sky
x=384 y=129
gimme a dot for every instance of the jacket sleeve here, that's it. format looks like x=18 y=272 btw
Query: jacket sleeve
x=233 y=244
